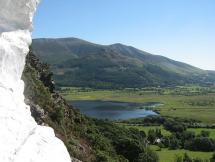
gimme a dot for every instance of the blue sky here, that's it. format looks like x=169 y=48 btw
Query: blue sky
x=183 y=30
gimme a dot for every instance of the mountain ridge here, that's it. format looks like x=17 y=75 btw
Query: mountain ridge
x=113 y=45
x=76 y=62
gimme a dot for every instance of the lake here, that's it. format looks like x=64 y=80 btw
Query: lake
x=114 y=110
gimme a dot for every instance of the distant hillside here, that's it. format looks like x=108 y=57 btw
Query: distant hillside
x=76 y=62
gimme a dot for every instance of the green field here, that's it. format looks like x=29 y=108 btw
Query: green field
x=166 y=155
x=192 y=102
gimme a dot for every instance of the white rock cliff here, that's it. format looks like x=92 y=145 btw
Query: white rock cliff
x=21 y=139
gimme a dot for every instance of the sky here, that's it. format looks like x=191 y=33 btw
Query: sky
x=183 y=30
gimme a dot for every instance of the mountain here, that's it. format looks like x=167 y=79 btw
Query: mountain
x=76 y=62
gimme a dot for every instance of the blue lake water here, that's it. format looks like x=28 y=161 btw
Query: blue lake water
x=114 y=110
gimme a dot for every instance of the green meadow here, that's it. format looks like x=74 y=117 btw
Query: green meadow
x=166 y=155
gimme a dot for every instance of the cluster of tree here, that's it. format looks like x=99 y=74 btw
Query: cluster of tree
x=201 y=125
x=174 y=126
x=149 y=120
x=201 y=144
x=159 y=120
x=153 y=135
x=128 y=144
x=181 y=138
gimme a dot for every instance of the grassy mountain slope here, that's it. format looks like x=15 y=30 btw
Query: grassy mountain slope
x=77 y=62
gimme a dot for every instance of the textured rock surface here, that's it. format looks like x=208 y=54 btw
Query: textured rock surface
x=21 y=139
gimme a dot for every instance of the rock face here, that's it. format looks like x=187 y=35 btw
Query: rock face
x=21 y=139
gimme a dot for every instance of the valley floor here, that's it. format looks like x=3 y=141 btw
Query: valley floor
x=192 y=102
